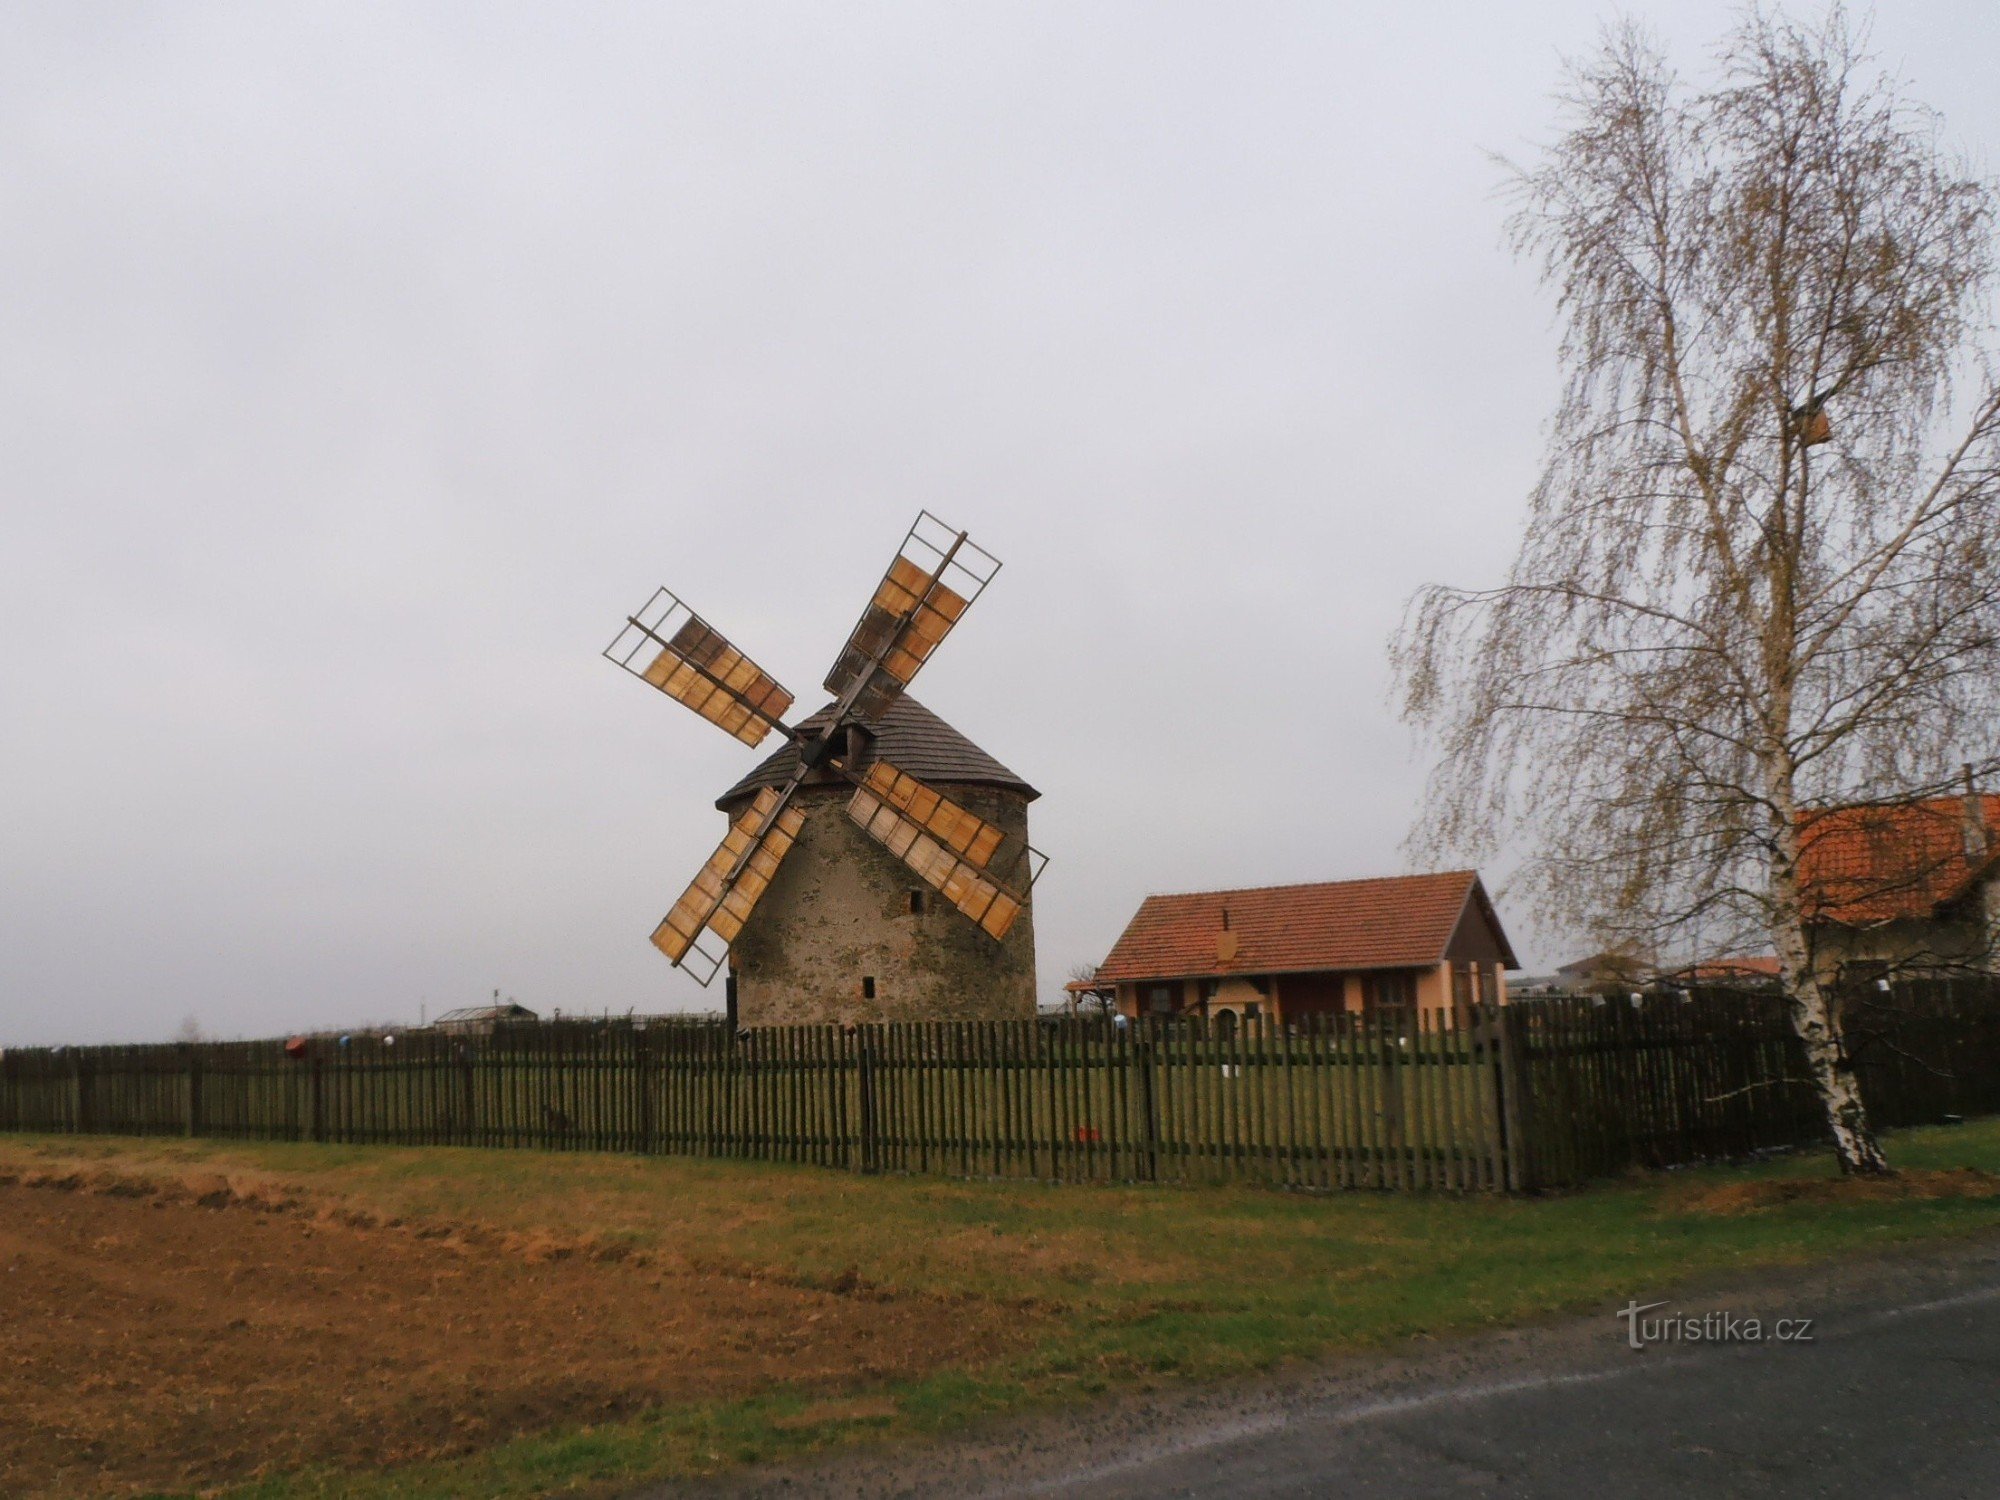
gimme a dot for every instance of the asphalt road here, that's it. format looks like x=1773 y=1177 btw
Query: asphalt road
x=1893 y=1402
x=1896 y=1395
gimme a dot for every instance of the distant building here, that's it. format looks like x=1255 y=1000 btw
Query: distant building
x=479 y=1020
x=1288 y=953
x=1903 y=887
x=1615 y=973
x=1083 y=995
x=1751 y=972
x=1605 y=973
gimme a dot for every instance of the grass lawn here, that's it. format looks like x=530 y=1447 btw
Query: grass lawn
x=1128 y=1287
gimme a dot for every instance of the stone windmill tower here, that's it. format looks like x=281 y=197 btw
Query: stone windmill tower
x=850 y=887
x=849 y=932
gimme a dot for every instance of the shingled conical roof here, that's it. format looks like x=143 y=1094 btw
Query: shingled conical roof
x=910 y=737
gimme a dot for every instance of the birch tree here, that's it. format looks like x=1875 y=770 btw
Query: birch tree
x=1758 y=574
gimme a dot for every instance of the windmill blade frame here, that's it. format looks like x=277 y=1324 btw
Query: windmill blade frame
x=964 y=832
x=696 y=665
x=727 y=888
x=934 y=578
x=976 y=841
x=924 y=829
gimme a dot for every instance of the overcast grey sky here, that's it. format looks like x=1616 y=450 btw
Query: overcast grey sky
x=364 y=364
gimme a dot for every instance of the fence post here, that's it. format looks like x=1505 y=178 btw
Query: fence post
x=1143 y=1057
x=84 y=1118
x=1516 y=1106
x=318 y=1097
x=643 y=1080
x=469 y=1133
x=194 y=1090
x=864 y=1082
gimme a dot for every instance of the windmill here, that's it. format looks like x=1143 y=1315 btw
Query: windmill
x=979 y=867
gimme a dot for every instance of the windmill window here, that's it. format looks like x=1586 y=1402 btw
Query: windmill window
x=916 y=903
x=867 y=986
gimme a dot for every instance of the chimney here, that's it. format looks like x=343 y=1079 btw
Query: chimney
x=1977 y=838
x=1227 y=944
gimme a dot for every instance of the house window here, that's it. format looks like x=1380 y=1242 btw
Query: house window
x=1389 y=990
x=867 y=986
x=916 y=903
x=1160 y=999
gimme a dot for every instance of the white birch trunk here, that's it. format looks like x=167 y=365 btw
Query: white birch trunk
x=1811 y=1009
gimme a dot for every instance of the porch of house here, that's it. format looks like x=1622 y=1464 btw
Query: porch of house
x=1289 y=999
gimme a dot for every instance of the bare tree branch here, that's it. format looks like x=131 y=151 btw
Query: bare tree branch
x=1761 y=569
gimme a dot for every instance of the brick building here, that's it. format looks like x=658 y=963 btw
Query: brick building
x=1903 y=887
x=1289 y=952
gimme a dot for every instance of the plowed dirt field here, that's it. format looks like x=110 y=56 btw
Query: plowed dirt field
x=178 y=1336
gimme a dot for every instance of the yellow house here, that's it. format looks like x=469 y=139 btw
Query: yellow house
x=1287 y=953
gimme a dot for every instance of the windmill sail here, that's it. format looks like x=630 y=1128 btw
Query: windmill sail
x=936 y=838
x=966 y=834
x=754 y=847
x=677 y=651
x=931 y=582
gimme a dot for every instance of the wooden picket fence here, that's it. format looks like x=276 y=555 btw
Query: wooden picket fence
x=1536 y=1094
x=1685 y=1076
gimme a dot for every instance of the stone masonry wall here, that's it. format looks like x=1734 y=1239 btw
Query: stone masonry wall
x=838 y=914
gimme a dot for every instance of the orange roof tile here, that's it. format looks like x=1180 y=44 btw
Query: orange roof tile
x=1886 y=862
x=1398 y=921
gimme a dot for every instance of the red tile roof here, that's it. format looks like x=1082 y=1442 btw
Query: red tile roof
x=1398 y=922
x=1886 y=862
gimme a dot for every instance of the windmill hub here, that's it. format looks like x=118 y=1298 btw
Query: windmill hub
x=819 y=752
x=849 y=887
